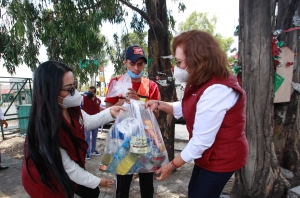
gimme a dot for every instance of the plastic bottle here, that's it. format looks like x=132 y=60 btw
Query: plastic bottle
x=113 y=165
x=119 y=155
x=126 y=164
x=136 y=167
x=107 y=158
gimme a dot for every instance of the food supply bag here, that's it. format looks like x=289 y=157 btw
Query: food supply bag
x=119 y=88
x=134 y=143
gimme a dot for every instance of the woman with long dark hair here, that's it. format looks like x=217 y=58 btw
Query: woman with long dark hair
x=214 y=107
x=55 y=145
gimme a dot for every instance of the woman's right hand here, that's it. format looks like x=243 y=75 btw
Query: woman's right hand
x=153 y=104
x=107 y=182
x=115 y=110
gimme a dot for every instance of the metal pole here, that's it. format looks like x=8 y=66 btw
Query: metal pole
x=2 y=130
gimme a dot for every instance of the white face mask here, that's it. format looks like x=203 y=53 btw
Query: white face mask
x=71 y=101
x=181 y=74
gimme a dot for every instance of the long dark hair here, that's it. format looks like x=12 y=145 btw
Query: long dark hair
x=204 y=56
x=44 y=124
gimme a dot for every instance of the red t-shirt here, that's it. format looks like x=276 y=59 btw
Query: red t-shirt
x=153 y=91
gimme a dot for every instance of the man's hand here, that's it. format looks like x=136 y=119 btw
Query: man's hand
x=3 y=122
x=132 y=94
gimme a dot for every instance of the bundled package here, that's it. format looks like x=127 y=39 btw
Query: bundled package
x=134 y=143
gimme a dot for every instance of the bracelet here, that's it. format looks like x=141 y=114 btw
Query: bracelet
x=173 y=164
x=157 y=105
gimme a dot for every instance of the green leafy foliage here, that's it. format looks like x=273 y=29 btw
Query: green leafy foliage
x=118 y=49
x=202 y=21
x=68 y=29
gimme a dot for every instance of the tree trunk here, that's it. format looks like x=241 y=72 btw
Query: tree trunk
x=159 y=45
x=261 y=176
x=286 y=115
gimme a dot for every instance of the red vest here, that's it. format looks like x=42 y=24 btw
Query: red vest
x=230 y=150
x=35 y=188
x=91 y=106
x=144 y=89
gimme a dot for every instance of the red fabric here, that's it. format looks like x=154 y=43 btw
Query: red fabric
x=91 y=106
x=153 y=91
x=275 y=49
x=35 y=188
x=230 y=150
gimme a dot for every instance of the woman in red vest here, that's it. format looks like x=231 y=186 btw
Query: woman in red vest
x=55 y=145
x=214 y=108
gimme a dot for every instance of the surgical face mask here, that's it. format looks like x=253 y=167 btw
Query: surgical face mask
x=71 y=101
x=90 y=95
x=181 y=74
x=132 y=75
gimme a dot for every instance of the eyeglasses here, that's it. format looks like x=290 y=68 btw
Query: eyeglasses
x=71 y=90
x=178 y=62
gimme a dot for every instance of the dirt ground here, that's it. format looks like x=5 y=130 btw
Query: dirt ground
x=13 y=147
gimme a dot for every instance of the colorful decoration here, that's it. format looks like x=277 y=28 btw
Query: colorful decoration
x=162 y=82
x=236 y=32
x=296 y=86
x=236 y=68
x=292 y=29
x=289 y=64
x=278 y=80
x=149 y=61
x=284 y=76
x=276 y=47
x=276 y=33
x=296 y=22
x=296 y=19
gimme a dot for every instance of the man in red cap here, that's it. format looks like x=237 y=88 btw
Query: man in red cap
x=142 y=89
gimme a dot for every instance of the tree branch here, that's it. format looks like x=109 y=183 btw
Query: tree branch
x=143 y=14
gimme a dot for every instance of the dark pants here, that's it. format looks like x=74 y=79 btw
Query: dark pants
x=85 y=192
x=207 y=184
x=146 y=185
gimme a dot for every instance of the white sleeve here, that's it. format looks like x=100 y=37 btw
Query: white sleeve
x=1 y=114
x=97 y=120
x=76 y=173
x=210 y=112
x=177 y=109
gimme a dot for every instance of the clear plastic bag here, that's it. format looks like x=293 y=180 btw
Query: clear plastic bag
x=119 y=87
x=134 y=143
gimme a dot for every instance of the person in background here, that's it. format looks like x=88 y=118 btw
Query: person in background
x=3 y=122
x=91 y=105
x=214 y=107
x=142 y=89
x=55 y=146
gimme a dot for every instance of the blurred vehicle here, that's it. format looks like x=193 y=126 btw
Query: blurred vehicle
x=103 y=106
x=180 y=121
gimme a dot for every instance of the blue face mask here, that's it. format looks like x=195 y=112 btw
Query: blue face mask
x=132 y=75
